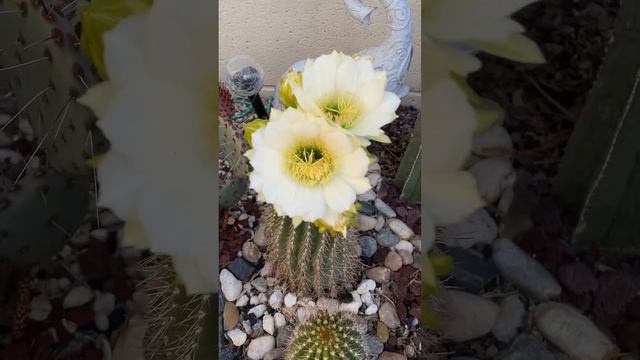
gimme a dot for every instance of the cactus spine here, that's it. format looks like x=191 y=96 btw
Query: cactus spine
x=326 y=337
x=308 y=260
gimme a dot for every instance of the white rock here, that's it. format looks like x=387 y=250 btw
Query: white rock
x=384 y=209
x=379 y=223
x=330 y=306
x=78 y=296
x=263 y=298
x=260 y=346
x=267 y=269
x=494 y=142
x=366 y=286
x=69 y=325
x=370 y=195
x=509 y=319
x=255 y=300
x=401 y=229
x=275 y=300
x=477 y=228
x=237 y=337
x=466 y=316
x=231 y=287
x=280 y=320
x=365 y=223
x=302 y=314
x=259 y=238
x=374 y=167
x=404 y=245
x=100 y=234
x=523 y=271
x=40 y=308
x=102 y=322
x=242 y=301
x=366 y=298
x=572 y=332
x=290 y=300
x=371 y=309
x=268 y=324
x=258 y=310
x=493 y=176
x=353 y=306
x=105 y=303
x=374 y=178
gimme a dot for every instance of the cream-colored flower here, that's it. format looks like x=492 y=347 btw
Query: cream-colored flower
x=349 y=93
x=157 y=110
x=459 y=26
x=306 y=168
x=450 y=193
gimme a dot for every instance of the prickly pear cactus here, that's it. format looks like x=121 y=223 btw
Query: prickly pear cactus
x=324 y=336
x=42 y=68
x=181 y=327
x=232 y=147
x=42 y=65
x=308 y=260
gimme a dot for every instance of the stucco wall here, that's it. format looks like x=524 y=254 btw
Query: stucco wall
x=277 y=33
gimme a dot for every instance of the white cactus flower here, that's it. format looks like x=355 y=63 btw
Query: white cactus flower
x=306 y=168
x=157 y=110
x=462 y=26
x=450 y=193
x=349 y=93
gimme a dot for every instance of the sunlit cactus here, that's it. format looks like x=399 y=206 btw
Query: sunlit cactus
x=308 y=260
x=328 y=337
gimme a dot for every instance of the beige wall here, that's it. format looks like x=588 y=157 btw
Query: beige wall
x=277 y=33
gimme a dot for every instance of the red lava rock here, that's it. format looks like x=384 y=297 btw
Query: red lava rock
x=17 y=350
x=551 y=253
x=415 y=311
x=414 y=217
x=90 y=352
x=628 y=337
x=634 y=308
x=95 y=261
x=44 y=347
x=581 y=302
x=122 y=288
x=415 y=289
x=393 y=341
x=548 y=215
x=82 y=316
x=615 y=291
x=64 y=337
x=577 y=278
x=401 y=309
x=379 y=256
x=402 y=212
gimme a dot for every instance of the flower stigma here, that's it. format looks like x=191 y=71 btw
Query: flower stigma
x=310 y=164
x=342 y=108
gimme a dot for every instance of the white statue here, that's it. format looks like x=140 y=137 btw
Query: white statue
x=394 y=55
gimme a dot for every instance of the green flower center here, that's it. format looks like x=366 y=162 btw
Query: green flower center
x=310 y=164
x=342 y=108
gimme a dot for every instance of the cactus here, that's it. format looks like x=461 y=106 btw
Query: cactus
x=325 y=336
x=232 y=147
x=181 y=327
x=41 y=66
x=309 y=260
x=408 y=176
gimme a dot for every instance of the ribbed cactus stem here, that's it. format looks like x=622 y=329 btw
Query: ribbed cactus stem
x=308 y=260
x=328 y=337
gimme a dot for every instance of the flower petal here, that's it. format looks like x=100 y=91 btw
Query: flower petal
x=449 y=197
x=123 y=55
x=339 y=195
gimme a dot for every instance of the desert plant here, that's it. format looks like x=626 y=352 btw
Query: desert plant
x=41 y=67
x=181 y=326
x=325 y=337
x=232 y=146
x=308 y=259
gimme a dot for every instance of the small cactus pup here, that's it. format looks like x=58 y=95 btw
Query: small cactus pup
x=328 y=337
x=310 y=259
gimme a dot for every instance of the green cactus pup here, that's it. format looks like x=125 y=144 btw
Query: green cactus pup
x=327 y=337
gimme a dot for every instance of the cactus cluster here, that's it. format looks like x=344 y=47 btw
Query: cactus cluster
x=311 y=261
x=328 y=337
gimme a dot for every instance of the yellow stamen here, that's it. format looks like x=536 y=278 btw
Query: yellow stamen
x=310 y=163
x=342 y=108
